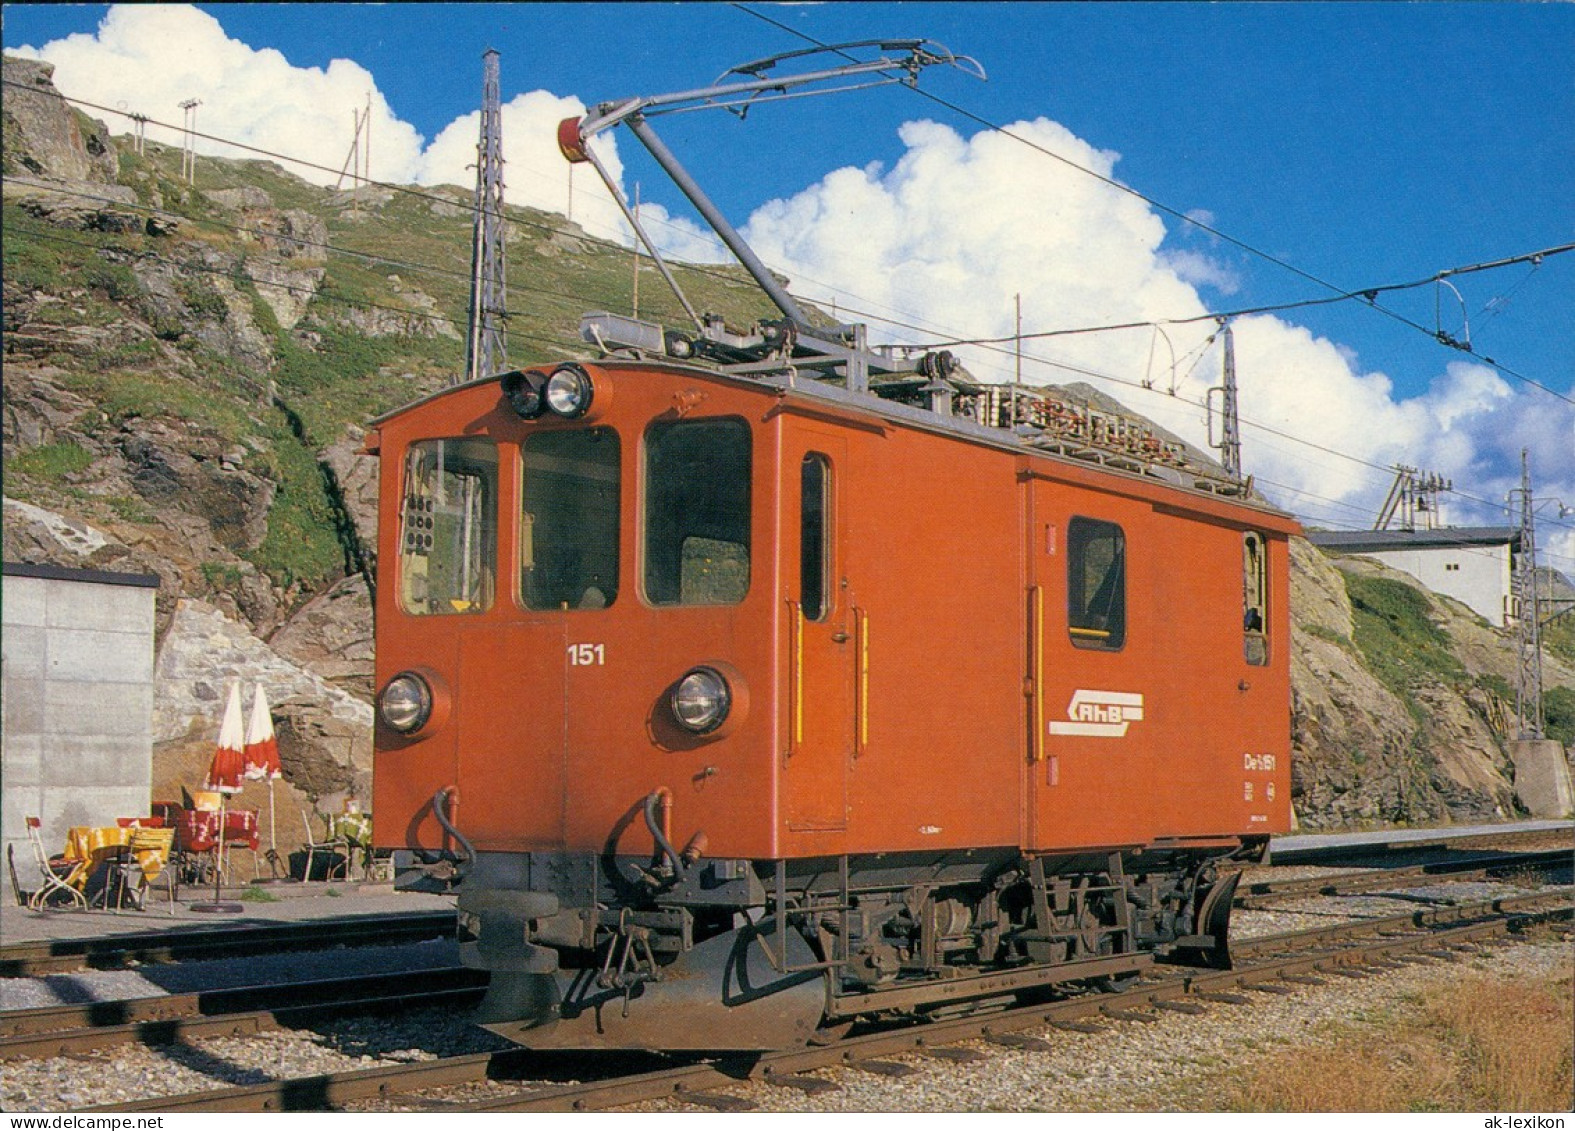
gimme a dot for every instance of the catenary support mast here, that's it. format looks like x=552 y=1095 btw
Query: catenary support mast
x=486 y=349
x=1528 y=684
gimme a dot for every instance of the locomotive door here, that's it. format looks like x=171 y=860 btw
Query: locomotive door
x=820 y=632
x=1088 y=748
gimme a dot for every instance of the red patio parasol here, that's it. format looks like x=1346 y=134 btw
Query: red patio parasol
x=224 y=778
x=262 y=761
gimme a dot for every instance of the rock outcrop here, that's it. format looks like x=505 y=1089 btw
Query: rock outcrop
x=325 y=734
x=1369 y=752
x=45 y=136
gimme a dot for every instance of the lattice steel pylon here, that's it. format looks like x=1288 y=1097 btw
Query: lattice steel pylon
x=486 y=352
x=1528 y=682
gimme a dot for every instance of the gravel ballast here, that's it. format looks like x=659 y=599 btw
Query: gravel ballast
x=1129 y=1067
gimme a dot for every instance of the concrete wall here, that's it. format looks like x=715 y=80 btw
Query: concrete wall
x=1477 y=576
x=78 y=701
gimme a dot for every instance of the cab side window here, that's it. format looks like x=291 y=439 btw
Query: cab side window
x=1255 y=598
x=814 y=564
x=697 y=511
x=1096 y=590
x=448 y=528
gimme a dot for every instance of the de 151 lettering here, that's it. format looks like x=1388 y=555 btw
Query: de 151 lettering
x=1264 y=763
x=587 y=655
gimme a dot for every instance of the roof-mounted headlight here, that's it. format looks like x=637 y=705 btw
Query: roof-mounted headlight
x=523 y=389
x=569 y=391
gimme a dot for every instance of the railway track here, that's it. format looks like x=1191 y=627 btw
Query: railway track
x=68 y=1030
x=54 y=956
x=249 y=1010
x=1397 y=850
x=1259 y=893
x=1269 y=964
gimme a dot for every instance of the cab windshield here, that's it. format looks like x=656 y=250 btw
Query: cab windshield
x=569 y=519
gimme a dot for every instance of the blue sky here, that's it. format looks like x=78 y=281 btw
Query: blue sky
x=1362 y=143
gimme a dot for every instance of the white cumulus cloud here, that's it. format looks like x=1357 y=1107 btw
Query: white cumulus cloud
x=947 y=239
x=150 y=58
x=958 y=228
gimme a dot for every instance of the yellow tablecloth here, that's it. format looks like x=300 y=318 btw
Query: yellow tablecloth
x=88 y=847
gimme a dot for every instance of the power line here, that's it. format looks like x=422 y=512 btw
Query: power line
x=318 y=294
x=1340 y=292
x=410 y=266
x=1301 y=493
x=1534 y=257
x=985 y=343
x=1340 y=296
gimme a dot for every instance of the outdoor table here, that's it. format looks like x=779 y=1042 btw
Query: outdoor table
x=91 y=849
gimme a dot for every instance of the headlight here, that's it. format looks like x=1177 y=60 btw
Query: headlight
x=405 y=703
x=569 y=391
x=701 y=701
x=523 y=391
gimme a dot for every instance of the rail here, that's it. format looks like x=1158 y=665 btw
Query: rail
x=1427 y=936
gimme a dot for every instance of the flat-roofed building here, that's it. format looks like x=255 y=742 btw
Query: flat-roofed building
x=1472 y=564
x=77 y=743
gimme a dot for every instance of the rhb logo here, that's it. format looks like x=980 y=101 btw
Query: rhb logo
x=1100 y=714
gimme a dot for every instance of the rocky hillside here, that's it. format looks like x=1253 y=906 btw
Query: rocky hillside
x=1401 y=697
x=186 y=367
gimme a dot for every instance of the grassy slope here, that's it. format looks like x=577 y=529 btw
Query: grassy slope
x=327 y=373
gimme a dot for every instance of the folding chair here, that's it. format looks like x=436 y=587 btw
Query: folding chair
x=240 y=831
x=334 y=852
x=22 y=896
x=54 y=884
x=196 y=845
x=147 y=862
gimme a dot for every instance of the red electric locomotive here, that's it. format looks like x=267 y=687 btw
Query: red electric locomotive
x=745 y=683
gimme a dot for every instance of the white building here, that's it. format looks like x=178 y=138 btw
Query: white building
x=1472 y=564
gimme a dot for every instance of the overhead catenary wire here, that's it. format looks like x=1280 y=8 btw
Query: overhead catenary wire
x=1534 y=257
x=1083 y=371
x=1301 y=493
x=1340 y=293
x=1365 y=513
x=985 y=343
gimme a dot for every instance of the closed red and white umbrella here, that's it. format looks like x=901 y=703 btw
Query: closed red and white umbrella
x=224 y=778
x=229 y=758
x=262 y=762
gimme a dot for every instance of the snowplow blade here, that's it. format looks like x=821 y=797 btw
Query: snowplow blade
x=724 y=994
